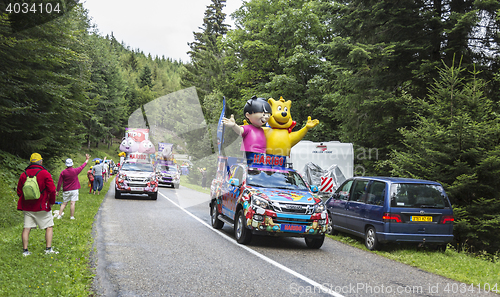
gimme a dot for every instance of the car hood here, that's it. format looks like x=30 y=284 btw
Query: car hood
x=168 y=172
x=286 y=196
x=137 y=173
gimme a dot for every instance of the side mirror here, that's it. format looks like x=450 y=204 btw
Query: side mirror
x=314 y=189
x=234 y=182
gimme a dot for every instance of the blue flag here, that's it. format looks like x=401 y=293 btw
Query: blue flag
x=220 y=126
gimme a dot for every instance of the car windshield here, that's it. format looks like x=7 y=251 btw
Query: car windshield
x=138 y=167
x=289 y=180
x=168 y=168
x=418 y=196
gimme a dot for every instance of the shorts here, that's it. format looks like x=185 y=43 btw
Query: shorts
x=70 y=196
x=42 y=218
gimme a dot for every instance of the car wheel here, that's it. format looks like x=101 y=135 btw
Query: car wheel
x=153 y=196
x=118 y=194
x=371 y=241
x=216 y=223
x=315 y=243
x=241 y=232
x=330 y=228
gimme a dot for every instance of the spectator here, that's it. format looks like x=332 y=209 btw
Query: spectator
x=105 y=172
x=69 y=180
x=97 y=170
x=37 y=212
x=203 y=177
x=90 y=176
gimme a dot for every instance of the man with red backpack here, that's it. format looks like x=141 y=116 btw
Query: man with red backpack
x=37 y=211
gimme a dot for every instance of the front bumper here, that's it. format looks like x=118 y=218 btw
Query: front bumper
x=168 y=181
x=283 y=224
x=137 y=188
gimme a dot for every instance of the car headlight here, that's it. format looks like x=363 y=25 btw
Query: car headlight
x=260 y=202
x=152 y=178
x=122 y=176
x=320 y=207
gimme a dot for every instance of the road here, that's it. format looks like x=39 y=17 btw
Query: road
x=168 y=248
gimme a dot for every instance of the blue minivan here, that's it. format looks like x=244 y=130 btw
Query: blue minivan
x=392 y=209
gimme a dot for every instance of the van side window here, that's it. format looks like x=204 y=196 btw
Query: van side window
x=358 y=193
x=343 y=191
x=376 y=193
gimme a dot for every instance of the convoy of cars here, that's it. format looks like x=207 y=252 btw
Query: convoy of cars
x=390 y=209
x=272 y=199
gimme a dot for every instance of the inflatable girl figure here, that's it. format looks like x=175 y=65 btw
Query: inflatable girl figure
x=257 y=111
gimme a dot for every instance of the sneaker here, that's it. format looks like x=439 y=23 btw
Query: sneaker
x=51 y=251
x=26 y=253
x=59 y=217
x=72 y=218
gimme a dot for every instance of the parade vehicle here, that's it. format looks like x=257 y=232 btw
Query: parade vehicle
x=168 y=174
x=262 y=196
x=136 y=177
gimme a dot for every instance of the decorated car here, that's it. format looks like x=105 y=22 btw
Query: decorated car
x=136 y=177
x=168 y=174
x=262 y=196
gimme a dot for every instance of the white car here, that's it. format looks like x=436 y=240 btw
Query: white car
x=136 y=178
x=168 y=175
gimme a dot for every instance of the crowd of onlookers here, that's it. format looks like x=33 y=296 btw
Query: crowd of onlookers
x=37 y=194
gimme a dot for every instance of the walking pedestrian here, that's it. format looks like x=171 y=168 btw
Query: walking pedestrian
x=97 y=170
x=90 y=176
x=37 y=212
x=68 y=179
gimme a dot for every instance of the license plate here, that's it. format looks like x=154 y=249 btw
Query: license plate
x=421 y=218
x=136 y=189
x=293 y=228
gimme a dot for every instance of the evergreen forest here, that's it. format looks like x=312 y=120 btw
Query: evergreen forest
x=416 y=81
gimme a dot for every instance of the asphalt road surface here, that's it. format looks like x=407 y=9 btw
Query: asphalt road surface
x=168 y=248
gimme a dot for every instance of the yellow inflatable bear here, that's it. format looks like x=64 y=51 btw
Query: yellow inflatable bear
x=280 y=137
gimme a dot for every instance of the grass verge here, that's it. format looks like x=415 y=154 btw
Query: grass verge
x=185 y=183
x=460 y=266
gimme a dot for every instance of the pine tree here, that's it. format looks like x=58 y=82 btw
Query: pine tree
x=206 y=69
x=455 y=141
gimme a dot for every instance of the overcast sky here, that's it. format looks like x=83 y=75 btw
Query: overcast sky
x=158 y=27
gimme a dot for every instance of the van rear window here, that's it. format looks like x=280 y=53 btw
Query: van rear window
x=418 y=196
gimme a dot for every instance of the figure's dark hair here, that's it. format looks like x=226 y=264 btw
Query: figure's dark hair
x=257 y=105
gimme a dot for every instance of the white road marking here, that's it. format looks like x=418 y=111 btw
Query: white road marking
x=320 y=287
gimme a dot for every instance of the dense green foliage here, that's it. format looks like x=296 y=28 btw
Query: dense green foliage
x=383 y=75
x=63 y=85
